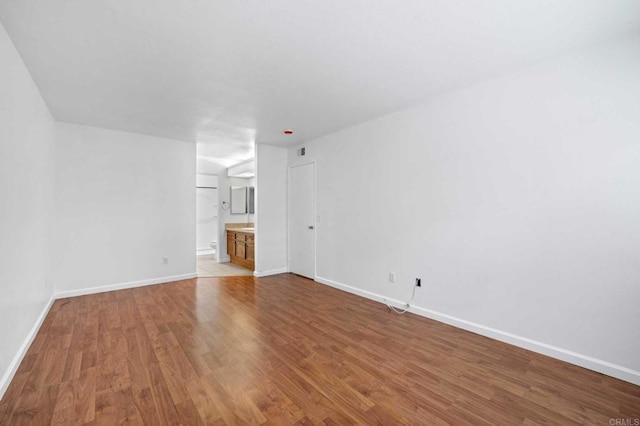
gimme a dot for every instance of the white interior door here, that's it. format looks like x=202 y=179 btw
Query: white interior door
x=302 y=212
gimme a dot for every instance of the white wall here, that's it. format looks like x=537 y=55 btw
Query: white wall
x=26 y=207
x=123 y=202
x=271 y=210
x=207 y=180
x=517 y=202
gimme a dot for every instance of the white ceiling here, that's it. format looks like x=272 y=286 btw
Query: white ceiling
x=228 y=72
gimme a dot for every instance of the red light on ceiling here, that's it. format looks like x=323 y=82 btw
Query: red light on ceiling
x=288 y=132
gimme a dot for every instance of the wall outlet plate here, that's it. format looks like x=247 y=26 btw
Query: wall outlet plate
x=392 y=277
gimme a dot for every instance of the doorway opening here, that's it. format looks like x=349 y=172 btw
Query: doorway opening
x=207 y=224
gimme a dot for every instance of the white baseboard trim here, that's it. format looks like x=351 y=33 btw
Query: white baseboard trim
x=259 y=274
x=604 y=367
x=121 y=286
x=357 y=291
x=13 y=367
x=571 y=357
x=17 y=360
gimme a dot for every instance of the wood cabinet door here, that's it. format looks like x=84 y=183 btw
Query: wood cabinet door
x=250 y=252
x=240 y=249
x=231 y=250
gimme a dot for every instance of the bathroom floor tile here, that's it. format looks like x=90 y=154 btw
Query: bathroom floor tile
x=208 y=267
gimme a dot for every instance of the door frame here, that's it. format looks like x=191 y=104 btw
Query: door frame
x=315 y=216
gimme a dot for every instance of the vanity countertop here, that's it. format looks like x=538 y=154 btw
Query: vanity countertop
x=247 y=227
x=243 y=230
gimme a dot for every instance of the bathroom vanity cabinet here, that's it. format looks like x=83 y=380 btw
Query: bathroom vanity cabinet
x=241 y=247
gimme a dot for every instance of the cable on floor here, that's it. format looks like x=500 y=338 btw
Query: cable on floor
x=407 y=305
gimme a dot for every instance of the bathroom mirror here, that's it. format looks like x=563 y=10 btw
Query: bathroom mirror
x=238 y=200
x=252 y=200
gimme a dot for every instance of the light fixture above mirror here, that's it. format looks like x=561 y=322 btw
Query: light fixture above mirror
x=245 y=169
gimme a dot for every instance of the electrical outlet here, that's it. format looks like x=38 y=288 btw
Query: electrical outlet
x=418 y=282
x=165 y=260
x=392 y=277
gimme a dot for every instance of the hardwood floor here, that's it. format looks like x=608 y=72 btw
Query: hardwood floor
x=286 y=351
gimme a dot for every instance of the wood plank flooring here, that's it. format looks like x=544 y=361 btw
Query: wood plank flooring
x=285 y=350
